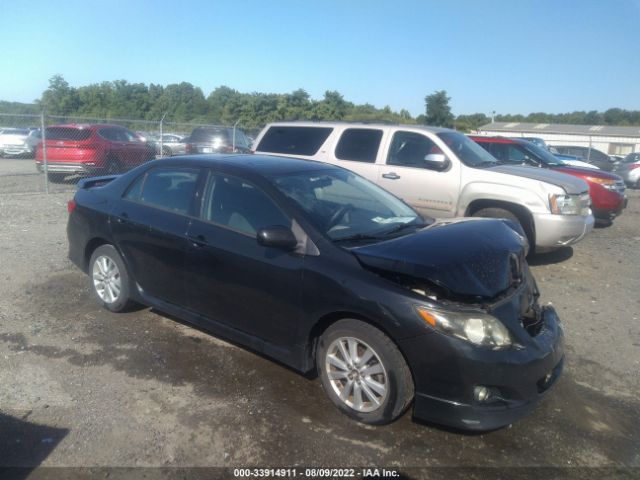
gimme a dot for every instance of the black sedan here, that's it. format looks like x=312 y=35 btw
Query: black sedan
x=322 y=270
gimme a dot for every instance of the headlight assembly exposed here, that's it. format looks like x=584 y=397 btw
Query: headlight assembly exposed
x=561 y=204
x=475 y=327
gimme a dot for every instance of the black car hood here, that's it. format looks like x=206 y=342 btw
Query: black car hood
x=469 y=257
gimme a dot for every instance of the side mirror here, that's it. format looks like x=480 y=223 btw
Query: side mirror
x=437 y=161
x=277 y=236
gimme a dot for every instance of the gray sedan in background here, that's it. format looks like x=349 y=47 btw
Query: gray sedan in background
x=172 y=144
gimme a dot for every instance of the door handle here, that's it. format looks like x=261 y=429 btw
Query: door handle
x=123 y=218
x=199 y=241
x=391 y=176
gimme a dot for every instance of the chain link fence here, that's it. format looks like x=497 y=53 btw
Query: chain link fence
x=49 y=153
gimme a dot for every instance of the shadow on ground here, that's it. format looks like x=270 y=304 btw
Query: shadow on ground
x=288 y=416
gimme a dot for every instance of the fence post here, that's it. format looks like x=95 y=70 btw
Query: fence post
x=44 y=154
x=233 y=144
x=161 y=131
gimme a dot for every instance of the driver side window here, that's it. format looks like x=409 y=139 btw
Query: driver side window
x=409 y=149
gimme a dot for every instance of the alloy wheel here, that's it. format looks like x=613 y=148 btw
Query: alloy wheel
x=356 y=374
x=106 y=279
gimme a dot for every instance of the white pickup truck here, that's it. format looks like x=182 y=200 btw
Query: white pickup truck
x=442 y=173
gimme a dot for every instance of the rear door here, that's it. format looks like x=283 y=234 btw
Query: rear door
x=409 y=175
x=150 y=224
x=231 y=278
x=358 y=150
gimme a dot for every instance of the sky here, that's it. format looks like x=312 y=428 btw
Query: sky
x=508 y=56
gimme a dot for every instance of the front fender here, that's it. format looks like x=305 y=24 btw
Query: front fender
x=533 y=201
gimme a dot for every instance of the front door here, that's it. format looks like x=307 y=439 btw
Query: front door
x=230 y=277
x=408 y=173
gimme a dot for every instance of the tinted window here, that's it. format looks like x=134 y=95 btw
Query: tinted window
x=167 y=188
x=239 y=205
x=210 y=135
x=409 y=149
x=359 y=145
x=67 y=133
x=294 y=140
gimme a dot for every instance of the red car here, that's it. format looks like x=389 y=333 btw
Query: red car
x=605 y=189
x=100 y=149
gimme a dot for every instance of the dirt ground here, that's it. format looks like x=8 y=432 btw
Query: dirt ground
x=80 y=386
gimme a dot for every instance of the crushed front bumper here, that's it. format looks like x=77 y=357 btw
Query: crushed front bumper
x=447 y=370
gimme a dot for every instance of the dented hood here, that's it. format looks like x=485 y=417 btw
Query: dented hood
x=475 y=257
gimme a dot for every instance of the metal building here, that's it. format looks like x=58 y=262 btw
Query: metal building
x=608 y=139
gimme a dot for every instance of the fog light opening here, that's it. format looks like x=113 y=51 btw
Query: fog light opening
x=481 y=393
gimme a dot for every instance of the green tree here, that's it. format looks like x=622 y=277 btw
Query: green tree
x=438 y=111
x=468 y=123
x=59 y=98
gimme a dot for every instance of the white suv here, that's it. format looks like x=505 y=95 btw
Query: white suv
x=442 y=173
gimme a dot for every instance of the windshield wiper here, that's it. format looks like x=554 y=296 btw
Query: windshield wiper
x=357 y=236
x=403 y=226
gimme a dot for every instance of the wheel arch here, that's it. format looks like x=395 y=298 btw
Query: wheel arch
x=522 y=213
x=321 y=326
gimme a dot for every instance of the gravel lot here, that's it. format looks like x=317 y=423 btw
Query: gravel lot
x=85 y=387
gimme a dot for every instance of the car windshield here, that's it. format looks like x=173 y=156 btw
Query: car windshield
x=542 y=155
x=345 y=206
x=468 y=151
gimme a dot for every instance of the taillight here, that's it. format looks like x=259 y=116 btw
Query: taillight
x=634 y=166
x=71 y=206
x=227 y=149
x=188 y=148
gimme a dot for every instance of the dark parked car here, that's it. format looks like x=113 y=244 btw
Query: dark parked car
x=217 y=140
x=77 y=149
x=589 y=155
x=324 y=271
x=607 y=190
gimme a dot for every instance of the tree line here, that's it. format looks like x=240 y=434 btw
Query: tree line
x=184 y=102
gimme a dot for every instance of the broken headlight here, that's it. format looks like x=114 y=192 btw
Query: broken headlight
x=475 y=327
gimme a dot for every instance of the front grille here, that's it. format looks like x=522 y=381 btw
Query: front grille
x=620 y=187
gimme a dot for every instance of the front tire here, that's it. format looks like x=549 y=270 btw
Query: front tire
x=363 y=372
x=109 y=279
x=494 y=212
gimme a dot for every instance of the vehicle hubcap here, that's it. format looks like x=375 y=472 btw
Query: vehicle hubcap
x=106 y=279
x=356 y=374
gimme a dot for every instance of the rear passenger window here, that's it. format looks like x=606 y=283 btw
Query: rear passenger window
x=359 y=145
x=171 y=189
x=294 y=140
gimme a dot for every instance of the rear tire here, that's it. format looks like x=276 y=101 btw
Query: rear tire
x=113 y=167
x=363 y=372
x=56 y=177
x=166 y=152
x=109 y=279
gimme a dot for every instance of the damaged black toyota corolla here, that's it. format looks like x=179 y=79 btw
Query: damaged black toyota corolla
x=322 y=270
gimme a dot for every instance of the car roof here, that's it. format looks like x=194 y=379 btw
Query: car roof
x=85 y=125
x=358 y=125
x=483 y=139
x=265 y=165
